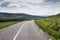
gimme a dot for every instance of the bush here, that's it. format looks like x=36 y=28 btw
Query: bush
x=51 y=25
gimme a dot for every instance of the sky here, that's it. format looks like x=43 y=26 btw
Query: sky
x=32 y=7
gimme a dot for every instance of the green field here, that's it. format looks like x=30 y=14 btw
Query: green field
x=7 y=19
x=6 y=24
x=51 y=26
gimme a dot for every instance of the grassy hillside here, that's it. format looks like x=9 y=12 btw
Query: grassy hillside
x=6 y=24
x=50 y=25
x=7 y=19
x=16 y=17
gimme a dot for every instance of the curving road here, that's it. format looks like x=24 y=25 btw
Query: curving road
x=27 y=30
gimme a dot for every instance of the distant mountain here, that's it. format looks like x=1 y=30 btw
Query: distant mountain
x=18 y=15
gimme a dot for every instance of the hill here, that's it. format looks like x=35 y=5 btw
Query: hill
x=51 y=25
x=18 y=15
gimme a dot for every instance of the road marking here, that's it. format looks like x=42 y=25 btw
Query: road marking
x=19 y=31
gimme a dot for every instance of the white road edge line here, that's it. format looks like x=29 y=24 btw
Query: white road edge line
x=19 y=31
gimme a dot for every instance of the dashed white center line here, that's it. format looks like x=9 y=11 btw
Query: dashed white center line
x=19 y=31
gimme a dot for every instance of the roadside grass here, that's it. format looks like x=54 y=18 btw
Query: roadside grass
x=6 y=24
x=51 y=26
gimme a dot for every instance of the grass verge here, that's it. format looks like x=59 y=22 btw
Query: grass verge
x=50 y=26
x=6 y=24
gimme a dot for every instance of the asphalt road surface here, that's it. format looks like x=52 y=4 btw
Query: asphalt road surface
x=27 y=30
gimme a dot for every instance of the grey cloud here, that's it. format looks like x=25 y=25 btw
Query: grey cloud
x=4 y=4
x=46 y=2
x=52 y=0
x=1 y=0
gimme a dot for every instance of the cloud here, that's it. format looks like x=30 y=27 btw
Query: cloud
x=36 y=10
x=4 y=4
x=29 y=1
x=1 y=0
x=19 y=3
x=52 y=0
x=33 y=7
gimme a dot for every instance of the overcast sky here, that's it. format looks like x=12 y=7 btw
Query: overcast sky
x=33 y=7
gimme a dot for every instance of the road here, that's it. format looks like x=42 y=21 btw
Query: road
x=27 y=30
